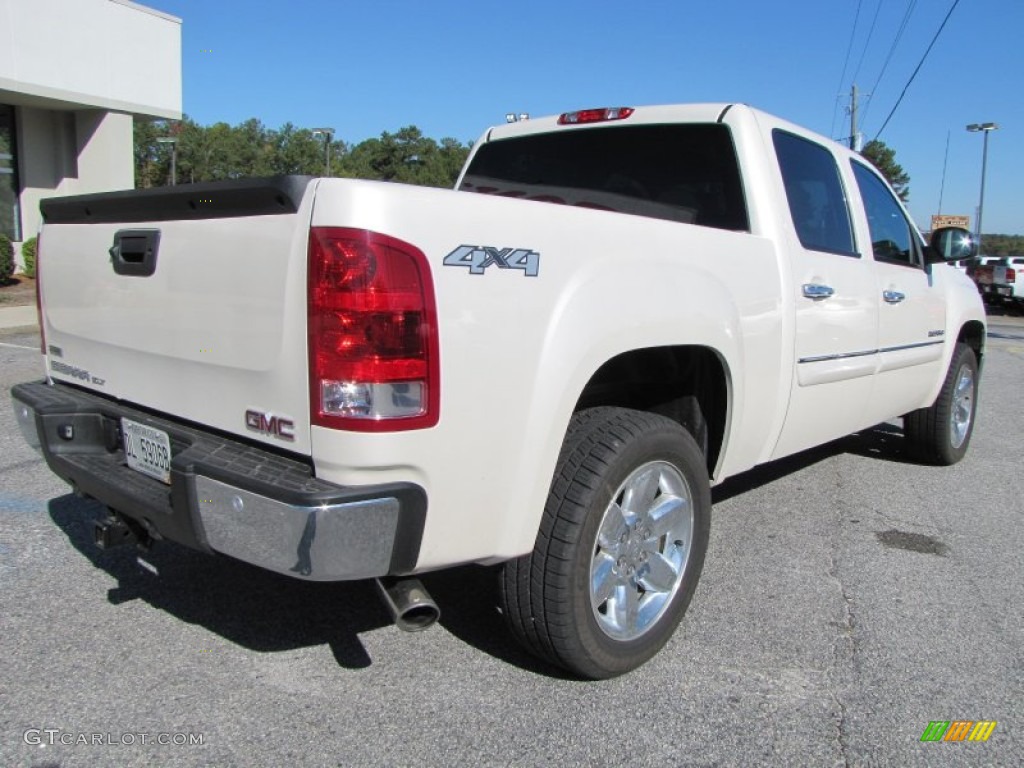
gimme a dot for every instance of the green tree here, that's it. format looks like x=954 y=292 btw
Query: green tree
x=407 y=156
x=250 y=149
x=392 y=157
x=296 y=150
x=451 y=156
x=152 y=160
x=884 y=159
x=28 y=255
x=1003 y=245
x=6 y=259
x=206 y=153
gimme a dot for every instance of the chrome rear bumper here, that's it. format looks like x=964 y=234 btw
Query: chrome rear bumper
x=225 y=495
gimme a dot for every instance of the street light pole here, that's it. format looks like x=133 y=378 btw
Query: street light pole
x=985 y=128
x=326 y=133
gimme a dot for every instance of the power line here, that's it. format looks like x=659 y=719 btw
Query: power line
x=945 y=162
x=846 y=63
x=892 y=49
x=918 y=68
x=871 y=31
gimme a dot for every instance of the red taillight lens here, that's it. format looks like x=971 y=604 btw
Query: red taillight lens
x=373 y=350
x=1011 y=275
x=595 y=115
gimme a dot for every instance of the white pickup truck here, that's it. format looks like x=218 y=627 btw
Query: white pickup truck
x=546 y=368
x=999 y=280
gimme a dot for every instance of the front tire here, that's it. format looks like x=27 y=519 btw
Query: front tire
x=940 y=434
x=620 y=548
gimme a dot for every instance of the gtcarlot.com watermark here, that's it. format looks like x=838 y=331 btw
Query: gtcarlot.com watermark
x=51 y=737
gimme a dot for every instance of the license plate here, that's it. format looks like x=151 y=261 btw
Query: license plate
x=147 y=450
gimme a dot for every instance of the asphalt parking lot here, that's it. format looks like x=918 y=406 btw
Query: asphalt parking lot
x=849 y=599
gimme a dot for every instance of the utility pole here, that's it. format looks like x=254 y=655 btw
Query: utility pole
x=853 y=117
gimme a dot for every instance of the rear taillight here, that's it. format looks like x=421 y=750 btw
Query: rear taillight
x=373 y=350
x=1011 y=275
x=595 y=115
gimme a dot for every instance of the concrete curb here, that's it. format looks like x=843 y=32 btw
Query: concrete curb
x=18 y=317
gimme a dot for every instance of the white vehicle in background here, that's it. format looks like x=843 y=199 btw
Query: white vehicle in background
x=1016 y=263
x=999 y=280
x=546 y=368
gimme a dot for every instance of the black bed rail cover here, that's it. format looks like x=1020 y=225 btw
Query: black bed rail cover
x=206 y=200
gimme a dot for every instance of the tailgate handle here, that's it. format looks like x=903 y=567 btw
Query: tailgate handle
x=134 y=252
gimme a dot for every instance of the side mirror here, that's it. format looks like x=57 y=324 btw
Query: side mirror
x=951 y=244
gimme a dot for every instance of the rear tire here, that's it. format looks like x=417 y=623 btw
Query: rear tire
x=940 y=434
x=620 y=548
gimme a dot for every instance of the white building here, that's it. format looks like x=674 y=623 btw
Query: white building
x=72 y=75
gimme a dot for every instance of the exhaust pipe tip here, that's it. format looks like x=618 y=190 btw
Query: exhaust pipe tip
x=410 y=605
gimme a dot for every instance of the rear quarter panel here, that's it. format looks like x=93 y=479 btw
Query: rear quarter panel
x=517 y=351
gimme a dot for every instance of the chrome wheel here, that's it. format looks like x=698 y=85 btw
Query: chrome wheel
x=642 y=548
x=611 y=574
x=940 y=433
x=963 y=406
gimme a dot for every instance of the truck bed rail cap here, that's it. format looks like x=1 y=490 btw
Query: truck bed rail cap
x=206 y=200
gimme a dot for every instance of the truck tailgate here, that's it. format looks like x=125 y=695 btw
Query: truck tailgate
x=188 y=300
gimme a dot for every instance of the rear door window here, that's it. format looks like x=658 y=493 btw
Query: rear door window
x=684 y=173
x=814 y=190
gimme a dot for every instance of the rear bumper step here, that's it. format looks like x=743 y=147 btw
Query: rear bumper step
x=225 y=495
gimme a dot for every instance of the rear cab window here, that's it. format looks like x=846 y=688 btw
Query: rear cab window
x=681 y=172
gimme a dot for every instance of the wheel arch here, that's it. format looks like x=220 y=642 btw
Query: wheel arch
x=689 y=384
x=972 y=333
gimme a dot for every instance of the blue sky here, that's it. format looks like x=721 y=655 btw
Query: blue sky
x=452 y=68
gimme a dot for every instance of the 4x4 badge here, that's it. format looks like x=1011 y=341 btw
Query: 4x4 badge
x=479 y=257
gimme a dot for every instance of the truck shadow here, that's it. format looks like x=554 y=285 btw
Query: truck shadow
x=1004 y=310
x=254 y=608
x=268 y=612
x=467 y=596
x=883 y=442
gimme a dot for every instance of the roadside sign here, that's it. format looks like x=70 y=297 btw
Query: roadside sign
x=946 y=220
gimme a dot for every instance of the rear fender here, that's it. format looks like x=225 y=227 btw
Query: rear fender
x=584 y=333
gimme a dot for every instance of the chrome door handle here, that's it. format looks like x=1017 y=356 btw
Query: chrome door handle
x=893 y=297
x=817 y=291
